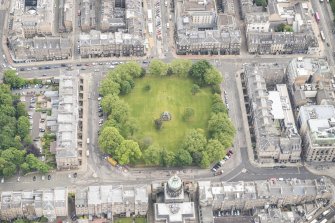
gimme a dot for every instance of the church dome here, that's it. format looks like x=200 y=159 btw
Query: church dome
x=174 y=185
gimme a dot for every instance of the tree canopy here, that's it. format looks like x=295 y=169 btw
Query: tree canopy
x=128 y=152
x=110 y=139
x=12 y=79
x=158 y=68
x=15 y=141
x=117 y=134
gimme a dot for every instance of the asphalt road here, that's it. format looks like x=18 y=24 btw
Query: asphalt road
x=2 y=21
x=100 y=172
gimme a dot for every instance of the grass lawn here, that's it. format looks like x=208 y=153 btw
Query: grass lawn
x=140 y=220
x=172 y=94
x=123 y=220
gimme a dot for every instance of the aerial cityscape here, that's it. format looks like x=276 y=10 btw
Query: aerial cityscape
x=167 y=111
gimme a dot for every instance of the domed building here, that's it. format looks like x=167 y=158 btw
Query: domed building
x=174 y=187
x=175 y=205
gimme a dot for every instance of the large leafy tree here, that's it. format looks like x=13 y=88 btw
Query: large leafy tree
x=128 y=152
x=183 y=158
x=220 y=122
x=205 y=162
x=180 y=67
x=198 y=70
x=109 y=86
x=212 y=76
x=152 y=155
x=108 y=102
x=110 y=139
x=194 y=141
x=167 y=157
x=158 y=68
x=215 y=150
x=21 y=110
x=36 y=164
x=23 y=125
x=12 y=79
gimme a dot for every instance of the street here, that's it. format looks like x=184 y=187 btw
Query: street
x=98 y=171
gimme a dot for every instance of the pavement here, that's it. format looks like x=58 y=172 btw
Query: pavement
x=98 y=171
x=241 y=166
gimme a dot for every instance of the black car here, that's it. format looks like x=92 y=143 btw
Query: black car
x=49 y=177
x=34 y=178
x=63 y=65
x=75 y=175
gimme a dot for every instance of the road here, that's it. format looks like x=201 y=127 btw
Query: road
x=325 y=24
x=2 y=21
x=100 y=172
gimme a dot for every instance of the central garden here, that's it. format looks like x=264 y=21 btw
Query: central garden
x=171 y=94
x=168 y=115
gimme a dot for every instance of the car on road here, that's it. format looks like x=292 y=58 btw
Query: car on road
x=75 y=175
x=34 y=178
x=2 y=180
x=216 y=167
x=230 y=151
x=43 y=177
x=218 y=173
x=49 y=177
x=99 y=98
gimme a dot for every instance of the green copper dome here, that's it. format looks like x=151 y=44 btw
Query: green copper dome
x=174 y=183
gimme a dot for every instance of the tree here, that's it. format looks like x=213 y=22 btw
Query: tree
x=120 y=111
x=188 y=114
x=284 y=28
x=181 y=67
x=220 y=123
x=169 y=71
x=158 y=68
x=125 y=87
x=183 y=158
x=132 y=68
x=109 y=140
x=143 y=72
x=36 y=164
x=167 y=157
x=212 y=76
x=198 y=70
x=12 y=79
x=9 y=169
x=108 y=102
x=14 y=156
x=204 y=160
x=225 y=138
x=152 y=155
x=32 y=149
x=215 y=150
x=23 y=126
x=128 y=152
x=21 y=109
x=194 y=141
x=195 y=89
x=216 y=89
x=25 y=167
x=218 y=106
x=261 y=2
x=109 y=86
x=158 y=123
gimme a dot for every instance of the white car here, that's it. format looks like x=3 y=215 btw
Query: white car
x=99 y=98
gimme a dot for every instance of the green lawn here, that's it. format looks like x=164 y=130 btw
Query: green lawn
x=172 y=94
x=123 y=220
